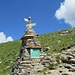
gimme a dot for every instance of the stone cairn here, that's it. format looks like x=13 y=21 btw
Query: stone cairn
x=24 y=64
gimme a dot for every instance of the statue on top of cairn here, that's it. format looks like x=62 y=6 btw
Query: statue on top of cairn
x=29 y=25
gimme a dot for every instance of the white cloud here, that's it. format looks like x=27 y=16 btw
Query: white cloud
x=66 y=11
x=3 y=38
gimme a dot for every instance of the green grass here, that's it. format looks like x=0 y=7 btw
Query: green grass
x=52 y=40
x=9 y=51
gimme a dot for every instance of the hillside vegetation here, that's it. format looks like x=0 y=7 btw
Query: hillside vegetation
x=54 y=41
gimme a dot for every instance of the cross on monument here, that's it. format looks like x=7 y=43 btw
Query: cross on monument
x=29 y=25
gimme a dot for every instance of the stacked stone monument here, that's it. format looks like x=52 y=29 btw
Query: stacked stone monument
x=31 y=57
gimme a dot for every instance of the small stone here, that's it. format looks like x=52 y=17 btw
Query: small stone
x=0 y=61
x=47 y=48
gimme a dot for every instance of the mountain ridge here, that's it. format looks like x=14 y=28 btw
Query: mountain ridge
x=51 y=43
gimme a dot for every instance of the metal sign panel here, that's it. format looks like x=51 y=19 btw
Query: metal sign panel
x=35 y=53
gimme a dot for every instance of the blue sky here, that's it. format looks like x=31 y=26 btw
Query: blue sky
x=13 y=12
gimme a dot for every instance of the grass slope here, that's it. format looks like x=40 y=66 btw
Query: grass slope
x=9 y=51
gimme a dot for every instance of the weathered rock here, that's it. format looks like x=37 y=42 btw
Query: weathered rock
x=68 y=59
x=46 y=49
